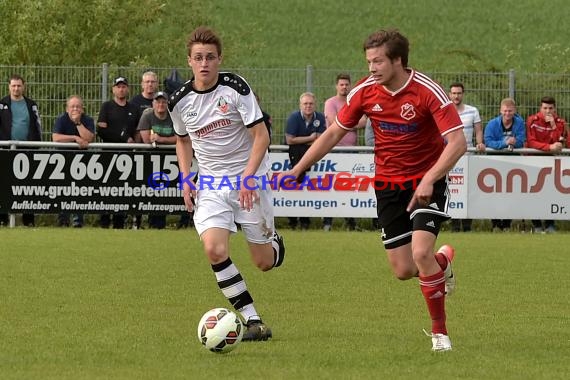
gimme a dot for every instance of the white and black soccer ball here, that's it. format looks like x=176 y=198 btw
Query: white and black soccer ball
x=220 y=330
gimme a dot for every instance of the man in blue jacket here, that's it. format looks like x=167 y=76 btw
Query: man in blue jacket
x=506 y=131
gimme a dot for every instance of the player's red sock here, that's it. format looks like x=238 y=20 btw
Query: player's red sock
x=441 y=260
x=433 y=289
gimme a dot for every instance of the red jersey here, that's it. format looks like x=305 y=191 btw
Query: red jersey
x=540 y=134
x=409 y=124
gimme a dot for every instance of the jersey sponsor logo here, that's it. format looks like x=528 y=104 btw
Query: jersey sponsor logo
x=434 y=206
x=430 y=224
x=398 y=129
x=377 y=108
x=212 y=126
x=223 y=105
x=408 y=112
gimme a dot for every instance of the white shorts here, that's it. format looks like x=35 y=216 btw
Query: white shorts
x=221 y=209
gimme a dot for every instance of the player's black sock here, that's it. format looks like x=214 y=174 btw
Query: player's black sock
x=232 y=284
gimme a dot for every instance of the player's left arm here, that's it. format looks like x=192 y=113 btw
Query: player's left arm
x=455 y=148
x=260 y=137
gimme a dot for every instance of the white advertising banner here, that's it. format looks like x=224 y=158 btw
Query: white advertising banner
x=339 y=185
x=342 y=185
x=519 y=187
x=481 y=187
x=457 y=205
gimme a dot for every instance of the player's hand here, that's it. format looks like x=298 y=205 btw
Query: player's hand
x=247 y=198
x=288 y=179
x=421 y=197
x=248 y=194
x=189 y=199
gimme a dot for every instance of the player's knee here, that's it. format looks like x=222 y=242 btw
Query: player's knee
x=405 y=274
x=263 y=264
x=421 y=253
x=216 y=253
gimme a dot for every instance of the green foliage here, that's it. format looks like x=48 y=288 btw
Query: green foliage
x=104 y=304
x=445 y=35
x=72 y=32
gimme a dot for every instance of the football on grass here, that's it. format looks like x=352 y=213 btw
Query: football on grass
x=220 y=330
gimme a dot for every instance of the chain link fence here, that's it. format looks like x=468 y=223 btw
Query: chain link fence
x=279 y=89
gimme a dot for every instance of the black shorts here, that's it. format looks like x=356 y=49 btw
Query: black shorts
x=396 y=223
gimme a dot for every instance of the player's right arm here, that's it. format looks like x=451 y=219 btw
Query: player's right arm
x=184 y=155
x=318 y=149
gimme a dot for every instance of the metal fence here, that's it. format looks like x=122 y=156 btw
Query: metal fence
x=279 y=89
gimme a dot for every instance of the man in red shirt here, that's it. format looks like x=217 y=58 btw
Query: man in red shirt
x=545 y=131
x=418 y=139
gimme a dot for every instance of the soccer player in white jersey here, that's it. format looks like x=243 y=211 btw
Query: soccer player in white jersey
x=216 y=116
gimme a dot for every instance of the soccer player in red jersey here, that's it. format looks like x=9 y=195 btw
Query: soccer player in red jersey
x=418 y=139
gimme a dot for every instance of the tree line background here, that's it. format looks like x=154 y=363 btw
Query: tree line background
x=445 y=35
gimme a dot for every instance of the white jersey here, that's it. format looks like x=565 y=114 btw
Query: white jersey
x=216 y=121
x=469 y=117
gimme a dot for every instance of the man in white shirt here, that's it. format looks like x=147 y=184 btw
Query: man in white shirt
x=471 y=128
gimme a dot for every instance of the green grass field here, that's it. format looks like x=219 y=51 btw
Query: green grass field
x=104 y=304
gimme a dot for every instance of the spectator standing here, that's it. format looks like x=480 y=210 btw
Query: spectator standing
x=73 y=126
x=216 y=115
x=117 y=123
x=506 y=131
x=144 y=101
x=472 y=128
x=303 y=128
x=411 y=115
x=545 y=131
x=155 y=127
x=332 y=106
x=149 y=87
x=19 y=121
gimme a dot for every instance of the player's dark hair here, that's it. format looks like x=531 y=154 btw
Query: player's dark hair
x=206 y=36
x=396 y=44
x=548 y=100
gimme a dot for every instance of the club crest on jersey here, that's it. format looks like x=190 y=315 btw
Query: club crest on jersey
x=223 y=105
x=408 y=112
